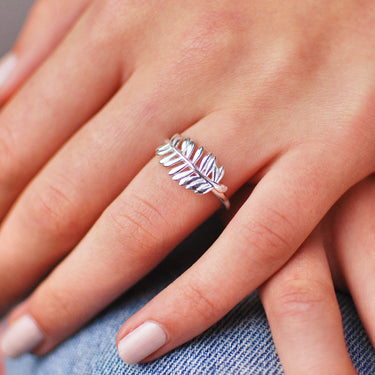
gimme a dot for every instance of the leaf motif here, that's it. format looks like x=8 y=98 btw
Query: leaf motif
x=197 y=155
x=203 y=189
x=220 y=175
x=204 y=162
x=184 y=145
x=209 y=165
x=180 y=175
x=201 y=179
x=214 y=173
x=174 y=161
x=177 y=169
x=195 y=183
x=167 y=158
x=175 y=140
x=190 y=149
x=163 y=150
x=186 y=180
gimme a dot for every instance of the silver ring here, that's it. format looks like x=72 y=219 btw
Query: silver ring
x=201 y=177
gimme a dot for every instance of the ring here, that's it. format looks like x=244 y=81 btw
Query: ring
x=201 y=177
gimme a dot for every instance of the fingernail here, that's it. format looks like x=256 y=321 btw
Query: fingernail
x=21 y=337
x=7 y=65
x=141 y=342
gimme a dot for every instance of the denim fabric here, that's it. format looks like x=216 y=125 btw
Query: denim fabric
x=240 y=343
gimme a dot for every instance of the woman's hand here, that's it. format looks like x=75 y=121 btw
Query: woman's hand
x=48 y=23
x=282 y=93
x=300 y=301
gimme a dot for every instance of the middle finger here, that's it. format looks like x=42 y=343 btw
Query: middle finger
x=52 y=105
x=59 y=206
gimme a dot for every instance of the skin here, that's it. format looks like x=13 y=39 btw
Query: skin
x=282 y=93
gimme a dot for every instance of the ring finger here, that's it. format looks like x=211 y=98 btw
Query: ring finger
x=89 y=172
x=135 y=232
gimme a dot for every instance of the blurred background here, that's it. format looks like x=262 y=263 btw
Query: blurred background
x=12 y=15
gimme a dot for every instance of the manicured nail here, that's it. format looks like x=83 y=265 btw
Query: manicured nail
x=7 y=65
x=21 y=337
x=141 y=342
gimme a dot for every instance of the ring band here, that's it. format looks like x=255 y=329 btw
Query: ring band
x=201 y=177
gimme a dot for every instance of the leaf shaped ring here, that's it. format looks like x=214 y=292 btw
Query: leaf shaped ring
x=201 y=177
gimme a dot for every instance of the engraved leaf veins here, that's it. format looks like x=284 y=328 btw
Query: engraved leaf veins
x=197 y=173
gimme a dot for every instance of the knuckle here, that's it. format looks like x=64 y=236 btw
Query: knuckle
x=353 y=133
x=136 y=224
x=10 y=167
x=100 y=24
x=53 y=205
x=358 y=136
x=147 y=110
x=354 y=128
x=211 y=37
x=198 y=300
x=269 y=236
x=300 y=298
x=56 y=304
x=113 y=20
x=352 y=143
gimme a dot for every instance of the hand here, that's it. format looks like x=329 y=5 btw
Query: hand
x=300 y=301
x=283 y=99
x=49 y=21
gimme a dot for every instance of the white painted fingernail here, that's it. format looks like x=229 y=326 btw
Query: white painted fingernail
x=7 y=65
x=21 y=337
x=141 y=342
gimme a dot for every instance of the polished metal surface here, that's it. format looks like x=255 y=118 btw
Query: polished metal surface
x=199 y=174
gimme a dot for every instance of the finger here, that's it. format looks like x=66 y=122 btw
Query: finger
x=280 y=213
x=353 y=243
x=84 y=177
x=140 y=227
x=146 y=222
x=236 y=201
x=304 y=315
x=57 y=103
x=47 y=23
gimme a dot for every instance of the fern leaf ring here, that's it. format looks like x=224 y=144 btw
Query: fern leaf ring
x=194 y=171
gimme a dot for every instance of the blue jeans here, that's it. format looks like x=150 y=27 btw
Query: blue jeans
x=240 y=343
